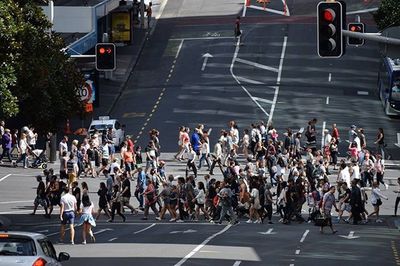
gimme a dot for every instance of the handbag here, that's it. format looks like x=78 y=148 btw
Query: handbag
x=379 y=202
x=320 y=220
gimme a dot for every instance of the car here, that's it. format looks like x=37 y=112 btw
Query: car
x=28 y=249
x=102 y=124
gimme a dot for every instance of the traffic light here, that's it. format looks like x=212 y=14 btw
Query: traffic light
x=356 y=27
x=105 y=57
x=330 y=42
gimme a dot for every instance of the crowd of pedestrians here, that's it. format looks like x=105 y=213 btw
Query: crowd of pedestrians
x=280 y=173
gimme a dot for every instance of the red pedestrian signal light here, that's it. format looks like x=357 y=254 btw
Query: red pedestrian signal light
x=330 y=16
x=356 y=27
x=105 y=56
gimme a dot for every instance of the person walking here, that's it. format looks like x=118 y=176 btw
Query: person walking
x=116 y=204
x=103 y=206
x=67 y=214
x=357 y=206
x=225 y=201
x=191 y=162
x=150 y=200
x=396 y=204
x=6 y=144
x=24 y=150
x=328 y=202
x=126 y=193
x=87 y=219
x=380 y=170
x=200 y=200
x=376 y=200
x=237 y=31
x=41 y=198
x=380 y=142
x=149 y=13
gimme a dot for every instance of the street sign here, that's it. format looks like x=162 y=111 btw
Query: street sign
x=329 y=29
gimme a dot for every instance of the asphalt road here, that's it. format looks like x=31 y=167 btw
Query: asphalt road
x=274 y=75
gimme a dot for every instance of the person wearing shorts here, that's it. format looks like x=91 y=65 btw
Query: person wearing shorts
x=67 y=214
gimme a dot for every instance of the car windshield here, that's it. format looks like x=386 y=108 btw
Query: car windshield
x=11 y=246
x=100 y=127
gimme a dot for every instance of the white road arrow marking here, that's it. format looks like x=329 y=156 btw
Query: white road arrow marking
x=350 y=236
x=269 y=232
x=398 y=140
x=184 y=232
x=205 y=56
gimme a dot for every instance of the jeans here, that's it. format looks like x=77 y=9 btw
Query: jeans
x=6 y=152
x=202 y=158
x=227 y=210
x=24 y=159
x=116 y=206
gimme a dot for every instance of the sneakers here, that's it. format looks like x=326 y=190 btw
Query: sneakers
x=249 y=221
x=110 y=221
x=378 y=221
x=172 y=220
x=84 y=243
x=386 y=186
x=258 y=221
x=72 y=243
x=158 y=218
x=179 y=221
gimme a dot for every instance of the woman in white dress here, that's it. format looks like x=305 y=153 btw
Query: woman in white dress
x=87 y=219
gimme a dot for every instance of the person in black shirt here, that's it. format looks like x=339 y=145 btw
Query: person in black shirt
x=102 y=192
x=41 y=198
x=126 y=193
x=356 y=202
x=76 y=191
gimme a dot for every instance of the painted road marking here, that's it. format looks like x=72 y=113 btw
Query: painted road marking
x=278 y=79
x=398 y=140
x=179 y=48
x=362 y=92
x=238 y=81
x=251 y=81
x=247 y=62
x=133 y=114
x=304 y=236
x=297 y=251
x=263 y=100
x=13 y=202
x=244 y=8
x=147 y=228
x=205 y=56
x=330 y=77
x=237 y=263
x=269 y=10
x=112 y=239
x=4 y=177
x=205 y=242
x=362 y=11
x=102 y=231
x=269 y=232
x=327 y=100
x=201 y=38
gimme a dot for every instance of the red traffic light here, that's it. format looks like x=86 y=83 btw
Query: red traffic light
x=102 y=50
x=329 y=15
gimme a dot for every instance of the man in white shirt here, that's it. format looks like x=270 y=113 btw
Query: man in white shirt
x=63 y=146
x=217 y=156
x=67 y=214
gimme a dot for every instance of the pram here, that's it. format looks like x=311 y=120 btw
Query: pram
x=40 y=159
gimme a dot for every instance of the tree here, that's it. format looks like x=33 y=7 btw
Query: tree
x=388 y=14
x=42 y=79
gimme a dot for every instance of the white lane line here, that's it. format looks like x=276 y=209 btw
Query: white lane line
x=102 y=231
x=291 y=264
x=268 y=10
x=323 y=135
x=327 y=100
x=238 y=81
x=263 y=100
x=179 y=48
x=251 y=81
x=330 y=77
x=247 y=62
x=304 y=236
x=4 y=177
x=362 y=92
x=244 y=9
x=278 y=80
x=362 y=11
x=18 y=201
x=285 y=6
x=202 y=38
x=147 y=228
x=237 y=263
x=205 y=242
x=398 y=140
x=297 y=251
x=112 y=239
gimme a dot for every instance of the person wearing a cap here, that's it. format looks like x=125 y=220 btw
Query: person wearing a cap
x=6 y=144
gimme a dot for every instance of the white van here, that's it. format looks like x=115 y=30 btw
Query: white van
x=103 y=124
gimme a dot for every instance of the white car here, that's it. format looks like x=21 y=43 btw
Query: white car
x=28 y=249
x=104 y=123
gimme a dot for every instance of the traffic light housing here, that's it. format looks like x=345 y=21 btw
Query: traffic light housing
x=356 y=27
x=330 y=18
x=105 y=57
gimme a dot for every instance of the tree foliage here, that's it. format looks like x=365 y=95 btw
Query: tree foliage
x=388 y=14
x=38 y=81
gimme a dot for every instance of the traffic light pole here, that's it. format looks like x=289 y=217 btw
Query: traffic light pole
x=371 y=37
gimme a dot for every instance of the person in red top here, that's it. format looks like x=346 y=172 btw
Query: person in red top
x=335 y=133
x=131 y=145
x=150 y=200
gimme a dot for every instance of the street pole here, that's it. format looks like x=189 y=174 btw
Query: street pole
x=51 y=15
x=375 y=37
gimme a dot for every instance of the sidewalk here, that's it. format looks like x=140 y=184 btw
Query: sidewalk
x=127 y=59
